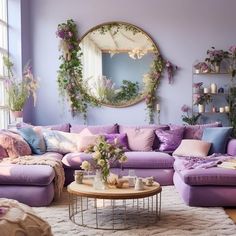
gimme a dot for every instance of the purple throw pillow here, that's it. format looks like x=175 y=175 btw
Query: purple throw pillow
x=170 y=139
x=122 y=139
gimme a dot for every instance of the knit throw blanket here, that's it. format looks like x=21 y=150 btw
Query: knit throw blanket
x=50 y=161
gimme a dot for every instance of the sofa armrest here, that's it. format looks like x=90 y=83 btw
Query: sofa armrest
x=231 y=147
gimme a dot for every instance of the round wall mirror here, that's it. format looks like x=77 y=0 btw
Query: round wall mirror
x=115 y=58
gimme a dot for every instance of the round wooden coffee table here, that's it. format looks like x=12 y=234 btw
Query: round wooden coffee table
x=114 y=208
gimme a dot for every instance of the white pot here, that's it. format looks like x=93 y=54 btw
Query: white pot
x=201 y=108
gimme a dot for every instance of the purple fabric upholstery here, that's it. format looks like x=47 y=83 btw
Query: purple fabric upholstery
x=205 y=196
x=55 y=155
x=35 y=196
x=121 y=138
x=95 y=129
x=231 y=147
x=123 y=129
x=148 y=160
x=74 y=160
x=60 y=127
x=210 y=176
x=169 y=139
x=37 y=175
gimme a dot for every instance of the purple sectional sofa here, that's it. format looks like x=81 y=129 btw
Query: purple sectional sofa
x=33 y=185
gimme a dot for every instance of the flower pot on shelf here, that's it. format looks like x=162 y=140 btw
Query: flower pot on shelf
x=201 y=108
x=216 y=67
x=17 y=114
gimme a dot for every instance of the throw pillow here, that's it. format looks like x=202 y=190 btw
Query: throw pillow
x=169 y=139
x=192 y=148
x=62 y=142
x=14 y=144
x=196 y=131
x=122 y=139
x=34 y=137
x=219 y=138
x=3 y=153
x=140 y=139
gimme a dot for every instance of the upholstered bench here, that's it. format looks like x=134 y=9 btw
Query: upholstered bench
x=19 y=219
x=29 y=184
x=207 y=187
x=156 y=164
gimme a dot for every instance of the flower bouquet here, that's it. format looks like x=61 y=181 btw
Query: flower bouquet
x=104 y=155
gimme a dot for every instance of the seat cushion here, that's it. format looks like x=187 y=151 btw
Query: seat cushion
x=148 y=160
x=210 y=176
x=13 y=174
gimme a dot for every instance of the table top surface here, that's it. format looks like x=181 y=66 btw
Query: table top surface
x=86 y=190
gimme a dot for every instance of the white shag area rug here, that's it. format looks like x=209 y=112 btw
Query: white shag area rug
x=176 y=219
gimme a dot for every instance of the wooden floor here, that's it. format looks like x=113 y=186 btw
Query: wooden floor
x=232 y=213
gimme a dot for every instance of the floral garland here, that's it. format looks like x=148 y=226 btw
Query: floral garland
x=152 y=81
x=70 y=71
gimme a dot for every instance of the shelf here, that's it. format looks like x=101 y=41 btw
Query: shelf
x=213 y=73
x=214 y=94
x=212 y=113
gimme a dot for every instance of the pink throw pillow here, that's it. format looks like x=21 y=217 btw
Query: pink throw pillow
x=3 y=153
x=192 y=148
x=140 y=139
x=14 y=144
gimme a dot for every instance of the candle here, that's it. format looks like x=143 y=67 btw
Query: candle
x=158 y=107
x=222 y=109
x=213 y=88
x=227 y=109
x=206 y=90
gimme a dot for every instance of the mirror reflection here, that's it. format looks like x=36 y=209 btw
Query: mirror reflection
x=116 y=56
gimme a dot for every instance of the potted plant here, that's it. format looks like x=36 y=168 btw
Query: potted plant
x=19 y=90
x=201 y=67
x=201 y=100
x=232 y=57
x=215 y=58
x=189 y=118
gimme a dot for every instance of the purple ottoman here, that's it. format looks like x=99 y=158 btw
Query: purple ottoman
x=29 y=184
x=207 y=187
x=156 y=164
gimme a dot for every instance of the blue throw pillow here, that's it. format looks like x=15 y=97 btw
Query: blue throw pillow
x=218 y=137
x=34 y=138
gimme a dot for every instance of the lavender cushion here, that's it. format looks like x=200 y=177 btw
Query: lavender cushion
x=231 y=147
x=95 y=129
x=170 y=139
x=14 y=144
x=196 y=131
x=26 y=174
x=123 y=128
x=148 y=160
x=121 y=138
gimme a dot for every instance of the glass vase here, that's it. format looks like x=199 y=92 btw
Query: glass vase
x=99 y=183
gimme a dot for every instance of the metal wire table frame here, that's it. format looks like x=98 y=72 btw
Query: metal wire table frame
x=114 y=209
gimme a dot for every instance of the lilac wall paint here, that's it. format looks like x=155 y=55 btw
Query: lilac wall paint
x=183 y=30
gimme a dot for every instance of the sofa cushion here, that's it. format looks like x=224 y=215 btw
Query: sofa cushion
x=3 y=152
x=210 y=176
x=148 y=160
x=55 y=155
x=74 y=160
x=169 y=139
x=34 y=137
x=95 y=129
x=121 y=138
x=218 y=137
x=123 y=129
x=13 y=174
x=60 y=127
x=192 y=148
x=140 y=139
x=14 y=144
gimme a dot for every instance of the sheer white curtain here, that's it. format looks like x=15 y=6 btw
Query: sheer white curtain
x=92 y=59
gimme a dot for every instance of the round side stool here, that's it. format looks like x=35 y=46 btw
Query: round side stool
x=18 y=219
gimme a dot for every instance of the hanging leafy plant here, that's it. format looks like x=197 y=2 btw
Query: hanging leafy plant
x=70 y=71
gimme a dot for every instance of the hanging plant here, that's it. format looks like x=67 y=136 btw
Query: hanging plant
x=70 y=71
x=152 y=81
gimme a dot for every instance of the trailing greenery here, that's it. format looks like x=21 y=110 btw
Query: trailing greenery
x=70 y=71
x=232 y=105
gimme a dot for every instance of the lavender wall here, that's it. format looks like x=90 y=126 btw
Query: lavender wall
x=183 y=30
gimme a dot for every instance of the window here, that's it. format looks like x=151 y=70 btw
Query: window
x=3 y=51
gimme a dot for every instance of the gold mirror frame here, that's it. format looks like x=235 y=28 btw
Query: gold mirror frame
x=133 y=28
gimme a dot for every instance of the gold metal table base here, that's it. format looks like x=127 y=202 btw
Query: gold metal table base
x=114 y=214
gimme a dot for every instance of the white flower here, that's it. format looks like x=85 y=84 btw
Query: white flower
x=85 y=165
x=116 y=141
x=101 y=162
x=97 y=155
x=123 y=159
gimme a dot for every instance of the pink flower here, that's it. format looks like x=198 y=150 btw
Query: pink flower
x=185 y=108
